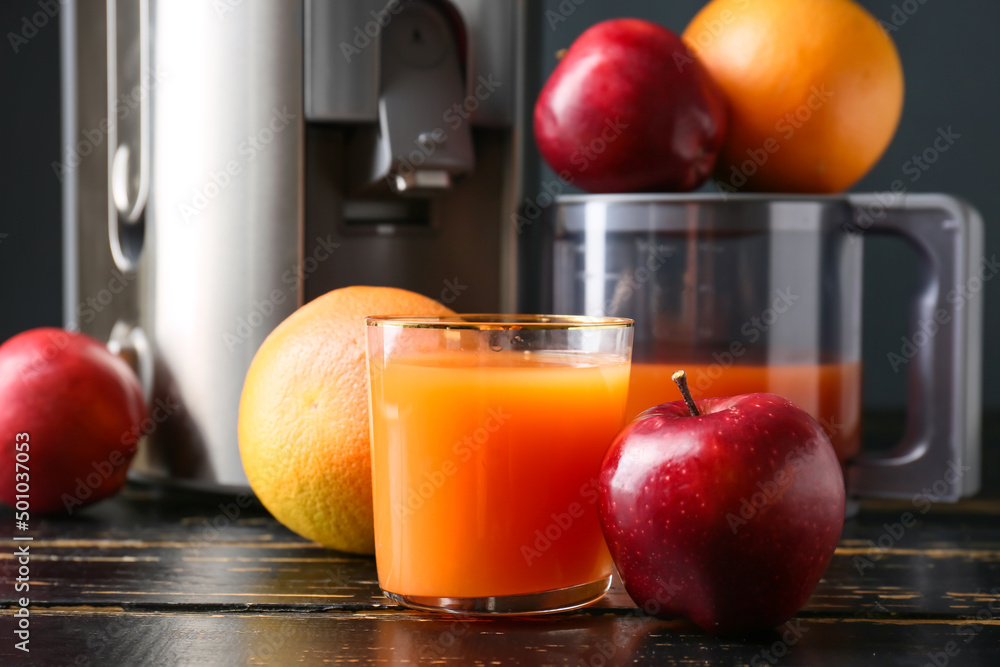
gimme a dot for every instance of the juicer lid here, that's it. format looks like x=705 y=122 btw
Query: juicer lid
x=704 y=212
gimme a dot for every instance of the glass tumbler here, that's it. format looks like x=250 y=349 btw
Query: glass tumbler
x=488 y=433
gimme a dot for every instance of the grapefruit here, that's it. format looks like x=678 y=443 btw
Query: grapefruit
x=303 y=420
x=815 y=91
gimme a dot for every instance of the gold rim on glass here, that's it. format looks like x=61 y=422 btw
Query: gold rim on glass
x=496 y=322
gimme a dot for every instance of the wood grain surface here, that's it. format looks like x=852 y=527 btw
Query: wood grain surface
x=166 y=576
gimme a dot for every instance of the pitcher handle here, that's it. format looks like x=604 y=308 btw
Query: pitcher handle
x=939 y=455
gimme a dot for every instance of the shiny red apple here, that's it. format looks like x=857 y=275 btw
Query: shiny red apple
x=728 y=518
x=629 y=108
x=70 y=413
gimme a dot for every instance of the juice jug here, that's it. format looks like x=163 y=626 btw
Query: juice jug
x=764 y=293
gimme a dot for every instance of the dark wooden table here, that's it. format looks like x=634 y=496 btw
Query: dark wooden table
x=159 y=576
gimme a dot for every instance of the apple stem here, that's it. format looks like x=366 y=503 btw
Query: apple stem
x=680 y=379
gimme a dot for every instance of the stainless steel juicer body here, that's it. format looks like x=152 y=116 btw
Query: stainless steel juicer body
x=227 y=161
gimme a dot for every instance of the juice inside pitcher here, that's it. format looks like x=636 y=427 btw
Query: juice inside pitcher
x=830 y=392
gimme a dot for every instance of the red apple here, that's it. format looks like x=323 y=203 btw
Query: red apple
x=70 y=412
x=728 y=518
x=630 y=109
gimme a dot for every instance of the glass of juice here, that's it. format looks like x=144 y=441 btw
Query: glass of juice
x=488 y=433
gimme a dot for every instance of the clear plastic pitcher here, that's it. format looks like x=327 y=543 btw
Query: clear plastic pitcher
x=763 y=293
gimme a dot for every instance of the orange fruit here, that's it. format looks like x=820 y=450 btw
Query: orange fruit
x=303 y=420
x=815 y=89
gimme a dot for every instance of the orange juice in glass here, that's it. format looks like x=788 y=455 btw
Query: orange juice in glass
x=488 y=433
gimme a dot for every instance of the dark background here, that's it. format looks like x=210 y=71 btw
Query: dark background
x=30 y=197
x=950 y=57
